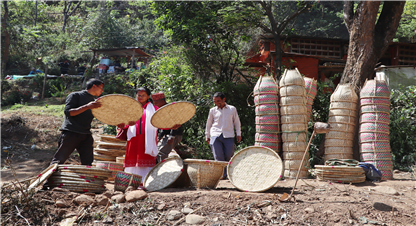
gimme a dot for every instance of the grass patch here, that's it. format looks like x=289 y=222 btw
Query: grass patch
x=49 y=106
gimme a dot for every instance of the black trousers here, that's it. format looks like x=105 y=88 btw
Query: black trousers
x=68 y=142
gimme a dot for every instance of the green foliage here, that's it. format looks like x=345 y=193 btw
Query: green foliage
x=406 y=31
x=403 y=127
x=172 y=75
x=111 y=130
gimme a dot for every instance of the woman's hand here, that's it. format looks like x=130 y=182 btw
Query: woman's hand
x=121 y=125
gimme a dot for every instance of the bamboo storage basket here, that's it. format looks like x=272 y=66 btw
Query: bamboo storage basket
x=342 y=119
x=374 y=127
x=340 y=174
x=311 y=90
x=294 y=121
x=205 y=173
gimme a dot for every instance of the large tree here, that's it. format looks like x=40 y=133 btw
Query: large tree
x=370 y=36
x=6 y=37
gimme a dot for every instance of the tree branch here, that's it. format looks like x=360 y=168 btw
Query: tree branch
x=293 y=16
x=73 y=10
x=348 y=14
x=387 y=25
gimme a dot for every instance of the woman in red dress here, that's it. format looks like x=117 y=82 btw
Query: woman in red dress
x=141 y=148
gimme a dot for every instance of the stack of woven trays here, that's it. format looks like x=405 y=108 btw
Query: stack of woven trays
x=109 y=148
x=340 y=174
x=114 y=167
x=342 y=118
x=267 y=113
x=374 y=126
x=311 y=90
x=79 y=178
x=294 y=122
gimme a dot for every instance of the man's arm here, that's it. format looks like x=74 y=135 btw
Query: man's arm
x=208 y=127
x=72 y=108
x=79 y=110
x=237 y=125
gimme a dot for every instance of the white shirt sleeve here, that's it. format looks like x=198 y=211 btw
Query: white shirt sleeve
x=237 y=123
x=208 y=126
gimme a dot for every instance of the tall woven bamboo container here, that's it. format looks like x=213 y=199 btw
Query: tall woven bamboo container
x=374 y=126
x=267 y=119
x=311 y=90
x=294 y=121
x=342 y=116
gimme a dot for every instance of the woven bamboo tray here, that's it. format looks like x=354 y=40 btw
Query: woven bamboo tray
x=110 y=152
x=205 y=173
x=255 y=169
x=43 y=176
x=174 y=113
x=84 y=170
x=117 y=108
x=163 y=174
x=102 y=157
x=76 y=176
x=110 y=139
x=107 y=145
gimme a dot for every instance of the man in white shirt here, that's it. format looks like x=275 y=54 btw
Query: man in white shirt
x=219 y=131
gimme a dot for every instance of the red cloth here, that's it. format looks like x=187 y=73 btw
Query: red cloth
x=135 y=155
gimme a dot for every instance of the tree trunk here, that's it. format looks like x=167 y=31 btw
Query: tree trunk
x=36 y=11
x=369 y=38
x=67 y=14
x=6 y=37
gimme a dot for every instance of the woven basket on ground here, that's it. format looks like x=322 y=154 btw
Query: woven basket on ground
x=375 y=88
x=341 y=174
x=117 y=108
x=342 y=118
x=374 y=101
x=110 y=152
x=120 y=159
x=205 y=173
x=255 y=169
x=293 y=137
x=123 y=180
x=273 y=146
x=266 y=85
x=266 y=99
x=163 y=174
x=114 y=167
x=108 y=145
x=102 y=157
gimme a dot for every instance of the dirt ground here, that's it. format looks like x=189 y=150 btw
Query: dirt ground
x=317 y=202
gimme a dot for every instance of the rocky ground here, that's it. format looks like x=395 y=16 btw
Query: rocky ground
x=317 y=202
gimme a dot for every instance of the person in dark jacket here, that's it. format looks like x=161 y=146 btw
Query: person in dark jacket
x=168 y=138
x=64 y=67
x=76 y=128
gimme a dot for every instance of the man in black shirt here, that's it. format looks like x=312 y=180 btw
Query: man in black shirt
x=76 y=133
x=168 y=139
x=64 y=67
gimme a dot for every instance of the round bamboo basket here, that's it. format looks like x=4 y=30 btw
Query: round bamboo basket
x=379 y=146
x=102 y=157
x=375 y=108
x=267 y=128
x=292 y=100
x=338 y=143
x=373 y=137
x=292 y=77
x=338 y=150
x=292 y=165
x=339 y=135
x=293 y=110
x=172 y=114
x=338 y=156
x=383 y=118
x=267 y=119
x=267 y=109
x=110 y=152
x=163 y=174
x=343 y=105
x=386 y=174
x=382 y=164
x=110 y=139
x=341 y=127
x=374 y=127
x=267 y=137
x=294 y=127
x=293 y=119
x=346 y=112
x=273 y=146
x=342 y=119
x=266 y=99
x=375 y=156
x=117 y=108
x=266 y=85
x=292 y=91
x=107 y=145
x=255 y=169
x=294 y=146
x=292 y=173
x=294 y=137
x=374 y=101
x=123 y=180
x=344 y=92
x=375 y=88
x=293 y=155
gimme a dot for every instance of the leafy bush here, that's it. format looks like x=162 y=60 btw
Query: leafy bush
x=403 y=127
